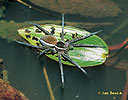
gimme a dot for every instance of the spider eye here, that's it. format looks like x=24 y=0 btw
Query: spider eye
x=60 y=44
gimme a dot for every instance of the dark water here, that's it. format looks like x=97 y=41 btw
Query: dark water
x=26 y=69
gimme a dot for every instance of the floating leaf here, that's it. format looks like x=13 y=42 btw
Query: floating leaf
x=84 y=56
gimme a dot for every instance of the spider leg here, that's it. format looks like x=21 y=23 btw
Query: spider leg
x=62 y=34
x=46 y=50
x=73 y=62
x=61 y=69
x=88 y=45
x=83 y=37
x=30 y=45
x=39 y=27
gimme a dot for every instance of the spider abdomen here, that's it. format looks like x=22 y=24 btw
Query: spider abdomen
x=49 y=39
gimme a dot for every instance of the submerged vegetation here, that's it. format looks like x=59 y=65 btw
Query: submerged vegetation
x=98 y=8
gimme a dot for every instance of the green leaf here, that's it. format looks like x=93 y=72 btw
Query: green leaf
x=84 y=56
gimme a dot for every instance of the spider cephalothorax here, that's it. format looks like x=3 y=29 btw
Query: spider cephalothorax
x=49 y=43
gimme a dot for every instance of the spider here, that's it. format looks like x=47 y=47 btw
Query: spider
x=49 y=43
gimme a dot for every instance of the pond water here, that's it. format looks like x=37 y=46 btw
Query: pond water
x=26 y=68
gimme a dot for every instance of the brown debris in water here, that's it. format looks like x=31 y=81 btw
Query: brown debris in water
x=92 y=8
x=125 y=91
x=7 y=92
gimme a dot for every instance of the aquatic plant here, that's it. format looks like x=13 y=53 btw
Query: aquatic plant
x=72 y=47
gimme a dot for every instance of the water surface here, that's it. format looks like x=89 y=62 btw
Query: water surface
x=26 y=69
